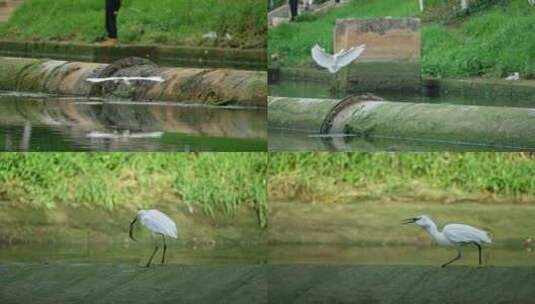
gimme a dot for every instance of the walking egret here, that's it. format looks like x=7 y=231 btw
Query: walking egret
x=337 y=61
x=159 y=224
x=453 y=235
x=125 y=79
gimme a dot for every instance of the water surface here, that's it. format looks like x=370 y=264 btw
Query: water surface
x=51 y=123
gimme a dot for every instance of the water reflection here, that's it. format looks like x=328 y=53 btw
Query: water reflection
x=131 y=253
x=38 y=123
x=179 y=253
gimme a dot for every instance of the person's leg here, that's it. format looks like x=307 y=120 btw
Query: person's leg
x=293 y=8
x=111 y=19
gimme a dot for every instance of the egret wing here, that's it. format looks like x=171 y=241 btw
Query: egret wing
x=460 y=233
x=350 y=55
x=158 y=222
x=321 y=58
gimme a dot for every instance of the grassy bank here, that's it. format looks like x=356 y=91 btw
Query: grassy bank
x=492 y=42
x=444 y=177
x=142 y=21
x=215 y=184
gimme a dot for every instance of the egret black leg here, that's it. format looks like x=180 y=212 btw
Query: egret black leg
x=164 y=249
x=152 y=256
x=455 y=258
x=479 y=249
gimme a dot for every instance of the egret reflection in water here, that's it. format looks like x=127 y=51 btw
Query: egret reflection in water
x=44 y=123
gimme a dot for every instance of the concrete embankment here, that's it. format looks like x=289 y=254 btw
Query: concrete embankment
x=204 y=86
x=176 y=56
x=370 y=117
x=101 y=283
x=400 y=284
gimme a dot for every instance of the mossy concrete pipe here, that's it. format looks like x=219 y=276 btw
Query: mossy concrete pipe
x=204 y=86
x=367 y=116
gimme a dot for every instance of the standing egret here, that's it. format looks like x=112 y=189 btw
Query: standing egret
x=159 y=224
x=452 y=235
x=337 y=61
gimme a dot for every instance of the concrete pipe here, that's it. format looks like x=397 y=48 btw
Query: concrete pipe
x=204 y=86
x=368 y=117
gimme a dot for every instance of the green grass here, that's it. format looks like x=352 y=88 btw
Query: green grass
x=292 y=41
x=491 y=42
x=142 y=21
x=217 y=183
x=345 y=177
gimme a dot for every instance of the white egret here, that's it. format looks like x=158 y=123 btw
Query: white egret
x=159 y=224
x=126 y=79
x=337 y=61
x=515 y=76
x=453 y=235
x=123 y=135
x=532 y=2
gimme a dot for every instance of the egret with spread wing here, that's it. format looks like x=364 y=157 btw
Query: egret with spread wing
x=337 y=61
x=159 y=224
x=453 y=235
x=126 y=79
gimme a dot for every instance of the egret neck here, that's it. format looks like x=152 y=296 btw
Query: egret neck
x=439 y=237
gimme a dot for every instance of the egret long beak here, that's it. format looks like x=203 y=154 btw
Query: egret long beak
x=409 y=220
x=131 y=232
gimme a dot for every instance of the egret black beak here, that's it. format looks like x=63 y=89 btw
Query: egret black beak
x=131 y=232
x=410 y=220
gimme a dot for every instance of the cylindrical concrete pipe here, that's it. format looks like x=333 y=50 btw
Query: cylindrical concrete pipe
x=367 y=116
x=205 y=86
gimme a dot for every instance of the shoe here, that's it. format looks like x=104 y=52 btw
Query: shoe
x=109 y=42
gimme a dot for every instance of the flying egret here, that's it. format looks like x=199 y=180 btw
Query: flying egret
x=337 y=61
x=452 y=235
x=125 y=79
x=159 y=224
x=124 y=134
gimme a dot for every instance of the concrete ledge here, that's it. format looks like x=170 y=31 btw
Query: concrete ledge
x=101 y=283
x=178 y=56
x=400 y=284
x=523 y=89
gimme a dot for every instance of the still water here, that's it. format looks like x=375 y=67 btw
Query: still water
x=288 y=140
x=324 y=254
x=51 y=123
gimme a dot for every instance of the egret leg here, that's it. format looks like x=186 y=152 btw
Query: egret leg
x=455 y=258
x=479 y=249
x=152 y=256
x=164 y=249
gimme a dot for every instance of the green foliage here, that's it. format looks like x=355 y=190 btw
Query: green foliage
x=497 y=173
x=494 y=39
x=214 y=182
x=495 y=42
x=142 y=21
x=292 y=42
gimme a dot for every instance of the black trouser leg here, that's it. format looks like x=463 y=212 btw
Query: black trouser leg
x=293 y=8
x=112 y=7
